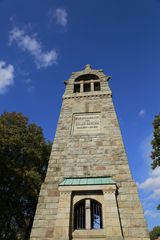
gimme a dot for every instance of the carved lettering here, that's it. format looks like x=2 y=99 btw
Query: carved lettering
x=86 y=123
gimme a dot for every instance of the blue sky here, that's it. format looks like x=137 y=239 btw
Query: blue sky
x=42 y=42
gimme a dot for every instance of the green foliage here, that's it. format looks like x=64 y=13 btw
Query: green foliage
x=154 y=232
x=24 y=155
x=155 y=154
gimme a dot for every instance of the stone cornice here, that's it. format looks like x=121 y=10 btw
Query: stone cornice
x=110 y=188
x=86 y=95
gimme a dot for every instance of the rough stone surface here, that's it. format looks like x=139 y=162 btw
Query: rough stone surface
x=86 y=152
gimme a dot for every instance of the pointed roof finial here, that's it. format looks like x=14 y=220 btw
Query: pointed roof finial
x=88 y=67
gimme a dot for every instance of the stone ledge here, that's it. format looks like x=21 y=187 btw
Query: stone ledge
x=89 y=94
x=93 y=233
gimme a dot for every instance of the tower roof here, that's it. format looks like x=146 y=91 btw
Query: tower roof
x=86 y=71
x=87 y=181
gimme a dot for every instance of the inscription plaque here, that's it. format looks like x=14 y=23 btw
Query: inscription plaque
x=86 y=123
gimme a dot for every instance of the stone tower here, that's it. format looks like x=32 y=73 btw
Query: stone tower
x=88 y=192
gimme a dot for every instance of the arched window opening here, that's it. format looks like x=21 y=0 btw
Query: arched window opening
x=88 y=215
x=87 y=87
x=96 y=215
x=87 y=83
x=97 y=86
x=79 y=215
x=76 y=88
x=86 y=77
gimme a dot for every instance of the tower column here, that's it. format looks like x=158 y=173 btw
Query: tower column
x=88 y=215
x=63 y=217
x=92 y=86
x=81 y=87
x=112 y=221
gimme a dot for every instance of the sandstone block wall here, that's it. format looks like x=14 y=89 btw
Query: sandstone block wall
x=94 y=154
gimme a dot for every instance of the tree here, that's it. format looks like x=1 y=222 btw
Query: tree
x=24 y=155
x=155 y=154
x=154 y=232
x=158 y=207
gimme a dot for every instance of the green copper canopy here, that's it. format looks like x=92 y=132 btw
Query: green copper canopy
x=87 y=181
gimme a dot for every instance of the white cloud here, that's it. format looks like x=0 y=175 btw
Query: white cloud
x=142 y=113
x=156 y=172
x=60 y=15
x=156 y=193
x=31 y=45
x=145 y=148
x=6 y=76
x=151 y=214
x=152 y=184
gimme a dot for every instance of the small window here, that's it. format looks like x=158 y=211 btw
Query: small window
x=76 y=88
x=97 y=86
x=96 y=215
x=87 y=87
x=79 y=215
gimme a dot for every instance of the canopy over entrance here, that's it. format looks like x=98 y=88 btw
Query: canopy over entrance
x=87 y=181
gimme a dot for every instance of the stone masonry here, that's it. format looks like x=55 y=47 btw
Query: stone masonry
x=88 y=143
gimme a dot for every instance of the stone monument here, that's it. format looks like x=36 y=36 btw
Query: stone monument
x=88 y=192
